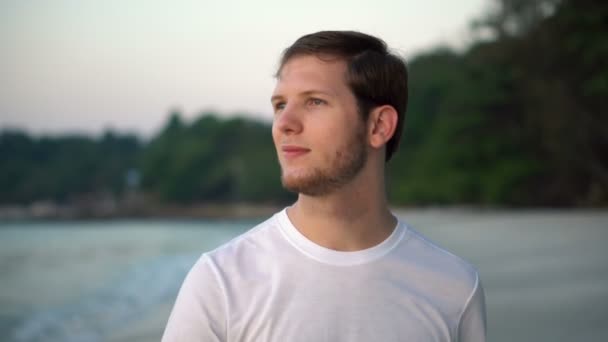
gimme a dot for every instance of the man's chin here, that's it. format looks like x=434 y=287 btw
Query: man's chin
x=310 y=186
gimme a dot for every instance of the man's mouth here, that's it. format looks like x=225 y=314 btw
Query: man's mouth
x=292 y=151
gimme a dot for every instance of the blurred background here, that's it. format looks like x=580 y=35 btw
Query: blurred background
x=135 y=135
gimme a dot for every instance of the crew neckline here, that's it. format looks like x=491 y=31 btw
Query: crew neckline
x=333 y=257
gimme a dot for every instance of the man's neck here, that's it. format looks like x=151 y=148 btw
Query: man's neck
x=351 y=218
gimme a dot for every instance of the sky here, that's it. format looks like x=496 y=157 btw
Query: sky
x=84 y=66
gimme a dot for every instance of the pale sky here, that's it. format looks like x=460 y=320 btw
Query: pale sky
x=86 y=66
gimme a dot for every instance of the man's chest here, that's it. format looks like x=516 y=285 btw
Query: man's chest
x=336 y=312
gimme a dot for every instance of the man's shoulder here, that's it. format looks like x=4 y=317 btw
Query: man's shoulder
x=430 y=255
x=254 y=240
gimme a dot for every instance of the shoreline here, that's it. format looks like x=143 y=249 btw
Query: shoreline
x=55 y=212
x=218 y=211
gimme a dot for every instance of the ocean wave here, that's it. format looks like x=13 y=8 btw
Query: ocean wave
x=116 y=304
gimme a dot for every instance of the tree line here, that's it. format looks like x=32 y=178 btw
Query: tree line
x=517 y=120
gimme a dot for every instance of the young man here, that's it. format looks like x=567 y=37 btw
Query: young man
x=336 y=265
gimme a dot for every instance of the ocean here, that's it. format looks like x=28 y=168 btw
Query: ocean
x=545 y=272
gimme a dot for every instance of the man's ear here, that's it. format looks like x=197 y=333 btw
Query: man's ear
x=382 y=125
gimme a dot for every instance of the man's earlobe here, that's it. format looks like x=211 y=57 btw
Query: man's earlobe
x=383 y=125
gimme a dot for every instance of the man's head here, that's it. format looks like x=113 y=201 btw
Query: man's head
x=339 y=96
x=375 y=76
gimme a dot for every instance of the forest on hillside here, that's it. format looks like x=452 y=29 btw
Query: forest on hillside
x=518 y=119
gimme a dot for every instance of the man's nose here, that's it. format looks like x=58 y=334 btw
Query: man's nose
x=288 y=121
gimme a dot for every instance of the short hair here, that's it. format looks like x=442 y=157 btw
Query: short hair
x=375 y=75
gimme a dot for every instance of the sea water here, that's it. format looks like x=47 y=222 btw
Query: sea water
x=545 y=273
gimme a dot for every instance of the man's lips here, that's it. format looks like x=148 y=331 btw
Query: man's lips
x=292 y=151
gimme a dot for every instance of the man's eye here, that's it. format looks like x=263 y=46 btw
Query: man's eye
x=279 y=106
x=316 y=102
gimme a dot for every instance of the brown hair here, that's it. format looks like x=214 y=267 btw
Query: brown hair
x=375 y=76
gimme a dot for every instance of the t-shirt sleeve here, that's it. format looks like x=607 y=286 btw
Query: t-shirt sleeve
x=199 y=313
x=472 y=326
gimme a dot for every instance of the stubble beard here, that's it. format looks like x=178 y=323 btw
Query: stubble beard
x=346 y=164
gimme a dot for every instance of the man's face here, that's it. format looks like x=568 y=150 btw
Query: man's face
x=318 y=133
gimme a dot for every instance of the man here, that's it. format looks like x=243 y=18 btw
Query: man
x=336 y=265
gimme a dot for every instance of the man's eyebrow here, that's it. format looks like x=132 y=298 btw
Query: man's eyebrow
x=319 y=92
x=304 y=93
x=276 y=97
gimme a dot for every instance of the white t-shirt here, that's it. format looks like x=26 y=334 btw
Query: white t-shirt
x=272 y=284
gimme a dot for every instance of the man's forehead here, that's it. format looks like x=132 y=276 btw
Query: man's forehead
x=312 y=64
x=309 y=74
x=282 y=89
